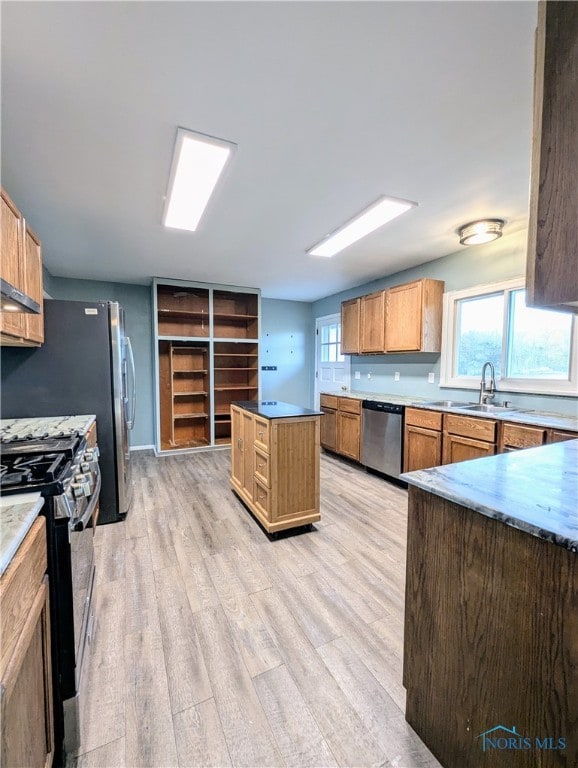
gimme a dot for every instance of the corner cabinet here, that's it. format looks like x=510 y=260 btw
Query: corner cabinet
x=206 y=356
x=275 y=467
x=21 y=266
x=552 y=269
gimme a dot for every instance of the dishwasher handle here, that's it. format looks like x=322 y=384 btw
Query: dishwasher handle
x=376 y=405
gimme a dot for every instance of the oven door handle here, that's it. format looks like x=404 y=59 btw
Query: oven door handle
x=82 y=522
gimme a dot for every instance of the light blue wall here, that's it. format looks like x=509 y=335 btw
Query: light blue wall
x=504 y=259
x=136 y=301
x=287 y=342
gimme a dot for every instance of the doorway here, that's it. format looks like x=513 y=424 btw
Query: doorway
x=332 y=369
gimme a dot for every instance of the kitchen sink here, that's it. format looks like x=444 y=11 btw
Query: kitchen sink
x=488 y=408
x=447 y=404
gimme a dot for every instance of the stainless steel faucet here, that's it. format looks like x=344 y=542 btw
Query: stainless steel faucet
x=485 y=392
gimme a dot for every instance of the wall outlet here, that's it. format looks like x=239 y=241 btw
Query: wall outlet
x=369 y=375
x=357 y=375
x=396 y=376
x=431 y=377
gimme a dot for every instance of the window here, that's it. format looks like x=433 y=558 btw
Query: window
x=330 y=343
x=533 y=350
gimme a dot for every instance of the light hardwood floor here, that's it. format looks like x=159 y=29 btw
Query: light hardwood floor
x=216 y=646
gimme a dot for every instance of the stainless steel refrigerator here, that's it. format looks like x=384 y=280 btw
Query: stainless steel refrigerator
x=85 y=366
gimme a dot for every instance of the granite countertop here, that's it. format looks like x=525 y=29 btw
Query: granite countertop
x=275 y=409
x=533 y=418
x=17 y=513
x=44 y=426
x=535 y=490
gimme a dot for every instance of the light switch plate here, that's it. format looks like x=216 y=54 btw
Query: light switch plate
x=431 y=377
x=357 y=375
x=396 y=376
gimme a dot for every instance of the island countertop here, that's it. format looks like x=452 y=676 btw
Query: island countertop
x=275 y=409
x=534 y=490
x=17 y=513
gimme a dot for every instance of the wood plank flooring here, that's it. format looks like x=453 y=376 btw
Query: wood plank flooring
x=215 y=646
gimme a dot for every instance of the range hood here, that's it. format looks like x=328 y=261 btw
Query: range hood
x=13 y=300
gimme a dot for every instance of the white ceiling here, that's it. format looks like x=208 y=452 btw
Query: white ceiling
x=331 y=104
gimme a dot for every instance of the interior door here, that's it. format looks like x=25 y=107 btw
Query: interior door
x=332 y=372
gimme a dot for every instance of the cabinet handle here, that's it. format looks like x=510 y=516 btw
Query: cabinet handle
x=260 y=434
x=260 y=465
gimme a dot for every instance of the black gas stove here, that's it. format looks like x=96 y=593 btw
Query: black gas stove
x=66 y=473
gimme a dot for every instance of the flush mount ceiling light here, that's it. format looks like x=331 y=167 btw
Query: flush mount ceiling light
x=478 y=232
x=379 y=213
x=198 y=162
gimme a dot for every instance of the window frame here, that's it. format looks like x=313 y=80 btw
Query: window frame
x=568 y=388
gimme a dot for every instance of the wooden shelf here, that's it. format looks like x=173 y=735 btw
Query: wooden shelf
x=236 y=386
x=236 y=354
x=178 y=416
x=191 y=370
x=223 y=440
x=221 y=418
x=236 y=368
x=190 y=394
x=181 y=313
x=227 y=316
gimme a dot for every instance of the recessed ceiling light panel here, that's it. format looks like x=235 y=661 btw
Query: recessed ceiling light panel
x=379 y=213
x=198 y=162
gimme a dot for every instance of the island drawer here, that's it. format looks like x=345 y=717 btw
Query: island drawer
x=261 y=467
x=262 y=433
x=467 y=426
x=417 y=417
x=520 y=436
x=19 y=586
x=262 y=499
x=328 y=401
x=349 y=405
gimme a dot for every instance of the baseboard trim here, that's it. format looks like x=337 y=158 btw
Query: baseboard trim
x=142 y=448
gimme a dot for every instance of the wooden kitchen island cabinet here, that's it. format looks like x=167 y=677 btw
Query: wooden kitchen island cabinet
x=275 y=462
x=491 y=609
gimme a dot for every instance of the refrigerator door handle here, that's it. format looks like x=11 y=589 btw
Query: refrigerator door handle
x=130 y=422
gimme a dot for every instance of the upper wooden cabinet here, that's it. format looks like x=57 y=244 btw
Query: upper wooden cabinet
x=552 y=272
x=373 y=322
x=21 y=266
x=405 y=318
x=413 y=317
x=350 y=327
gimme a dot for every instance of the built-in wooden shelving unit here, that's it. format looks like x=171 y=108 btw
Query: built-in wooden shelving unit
x=207 y=344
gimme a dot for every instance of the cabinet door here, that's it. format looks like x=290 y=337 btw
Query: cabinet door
x=236 y=446
x=27 y=692
x=403 y=320
x=521 y=436
x=33 y=282
x=373 y=322
x=247 y=450
x=422 y=448
x=349 y=434
x=329 y=429
x=350 y=326
x=12 y=323
x=552 y=277
x=456 y=448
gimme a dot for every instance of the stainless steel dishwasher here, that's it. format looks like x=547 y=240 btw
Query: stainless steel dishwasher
x=381 y=437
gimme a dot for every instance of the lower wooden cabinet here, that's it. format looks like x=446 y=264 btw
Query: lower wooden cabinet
x=457 y=448
x=516 y=436
x=341 y=425
x=25 y=666
x=422 y=448
x=275 y=467
x=560 y=435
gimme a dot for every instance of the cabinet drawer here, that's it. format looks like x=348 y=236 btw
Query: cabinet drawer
x=349 y=405
x=559 y=436
x=520 y=436
x=19 y=585
x=262 y=499
x=416 y=417
x=466 y=426
x=262 y=433
x=328 y=401
x=261 y=467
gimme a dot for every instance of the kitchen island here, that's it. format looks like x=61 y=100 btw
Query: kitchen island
x=491 y=614
x=275 y=462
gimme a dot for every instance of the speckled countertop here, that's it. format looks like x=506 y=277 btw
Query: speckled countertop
x=44 y=426
x=535 y=490
x=533 y=418
x=275 y=409
x=17 y=513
